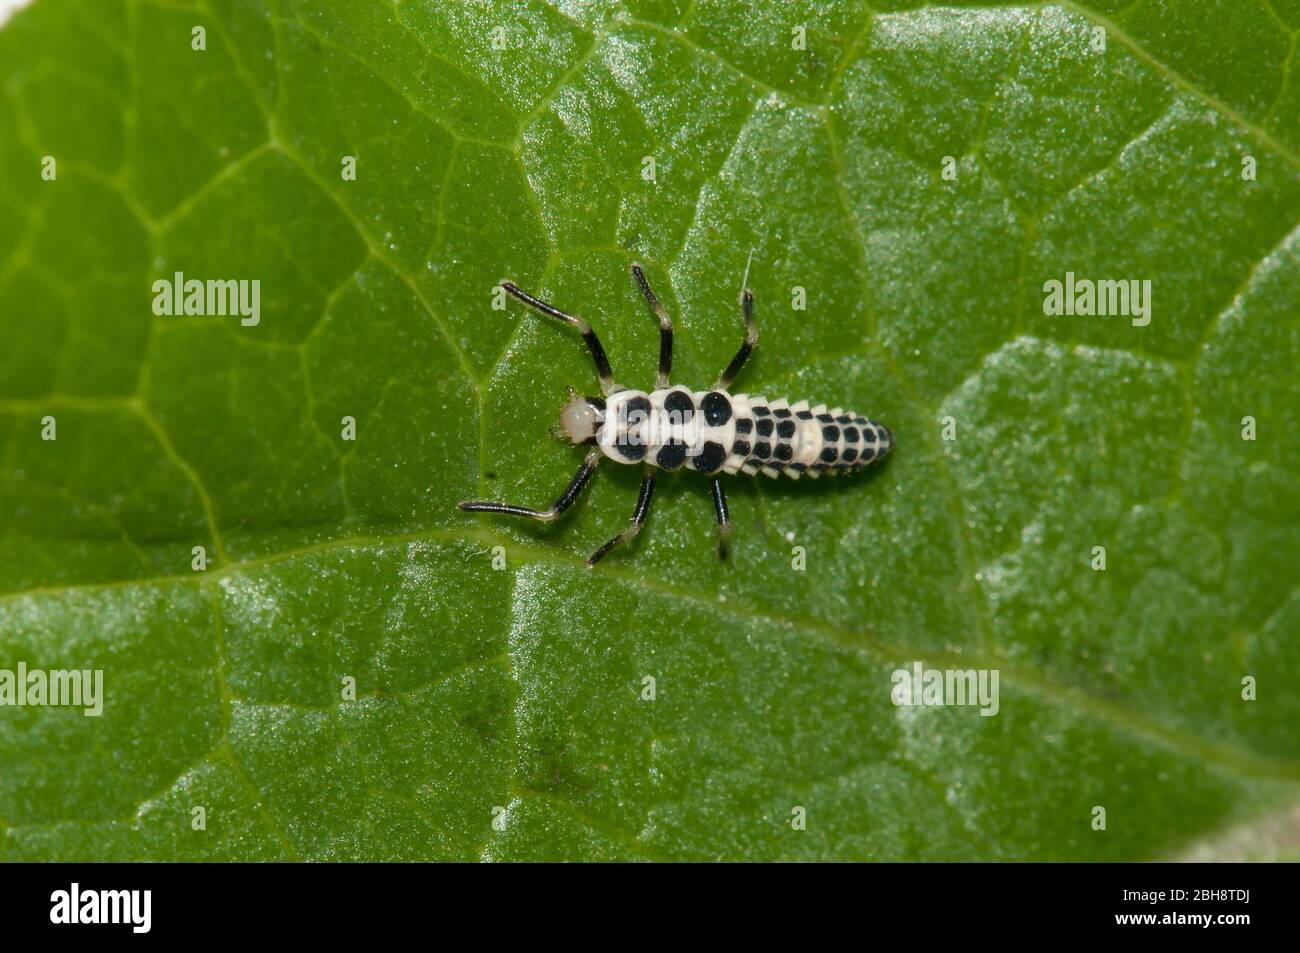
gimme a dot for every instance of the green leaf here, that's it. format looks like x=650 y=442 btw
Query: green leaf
x=1106 y=139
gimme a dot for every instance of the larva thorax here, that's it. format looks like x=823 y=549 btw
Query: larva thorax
x=719 y=432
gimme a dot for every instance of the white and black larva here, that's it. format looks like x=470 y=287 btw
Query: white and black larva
x=711 y=432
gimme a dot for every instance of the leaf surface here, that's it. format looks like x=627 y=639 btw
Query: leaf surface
x=1106 y=139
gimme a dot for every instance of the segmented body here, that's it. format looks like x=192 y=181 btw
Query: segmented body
x=712 y=432
x=719 y=432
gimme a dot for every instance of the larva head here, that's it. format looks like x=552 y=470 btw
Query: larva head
x=582 y=417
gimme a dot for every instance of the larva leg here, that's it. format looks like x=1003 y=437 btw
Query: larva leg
x=559 y=506
x=638 y=518
x=747 y=347
x=665 y=328
x=724 y=519
x=588 y=335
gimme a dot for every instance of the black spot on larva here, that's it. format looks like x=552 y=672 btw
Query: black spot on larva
x=850 y=454
x=819 y=467
x=672 y=456
x=765 y=427
x=825 y=418
x=844 y=419
x=804 y=415
x=868 y=454
x=862 y=421
x=744 y=425
x=851 y=434
x=782 y=412
x=830 y=432
x=762 y=450
x=631 y=442
x=784 y=451
x=633 y=449
x=828 y=455
x=741 y=447
x=799 y=467
x=711 y=456
x=761 y=411
x=679 y=402
x=785 y=428
x=716 y=407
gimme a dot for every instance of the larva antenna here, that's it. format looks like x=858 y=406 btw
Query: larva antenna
x=751 y=330
x=745 y=279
